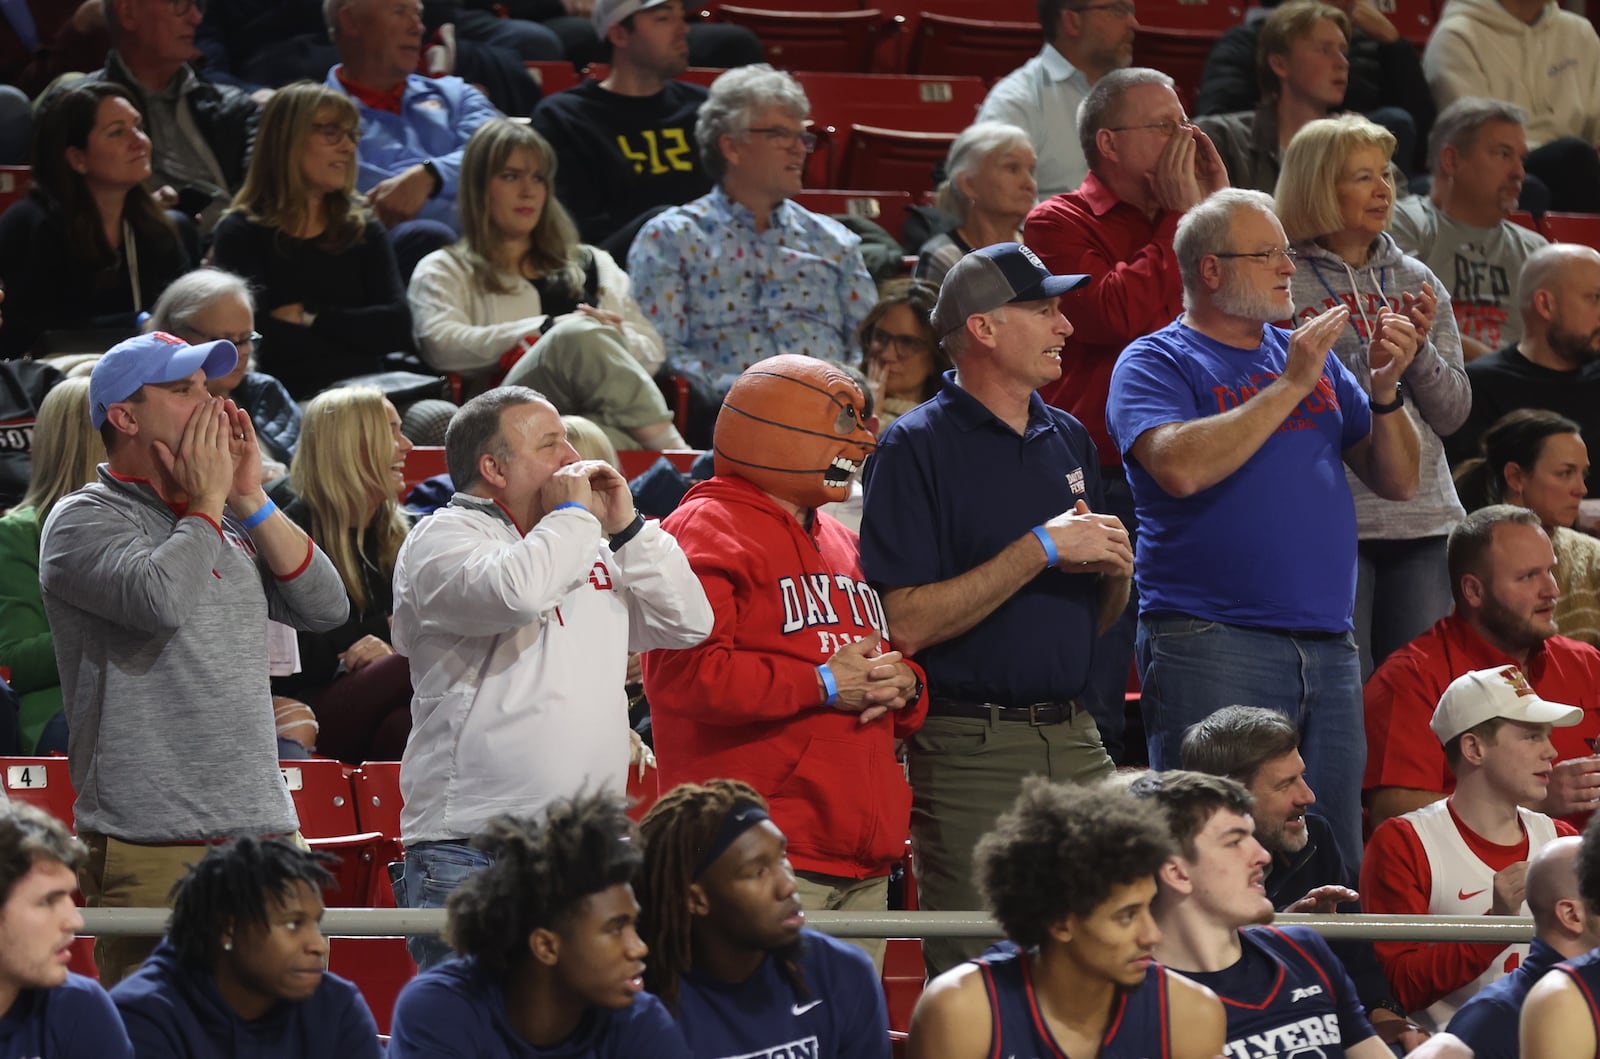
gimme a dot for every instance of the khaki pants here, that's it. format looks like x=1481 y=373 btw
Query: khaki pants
x=838 y=893
x=964 y=773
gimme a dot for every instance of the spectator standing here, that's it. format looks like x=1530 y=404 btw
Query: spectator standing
x=1471 y=849
x=797 y=691
x=517 y=618
x=968 y=586
x=1503 y=578
x=628 y=140
x=1335 y=201
x=302 y=236
x=158 y=581
x=66 y=451
x=1538 y=460
x=1082 y=43
x=1543 y=59
x=1117 y=227
x=804 y=289
x=89 y=247
x=1461 y=229
x=243 y=968
x=520 y=299
x=44 y=1008
x=988 y=187
x=1234 y=480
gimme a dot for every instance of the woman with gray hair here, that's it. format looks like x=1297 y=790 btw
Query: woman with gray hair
x=989 y=186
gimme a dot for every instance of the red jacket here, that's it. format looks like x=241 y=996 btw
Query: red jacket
x=746 y=704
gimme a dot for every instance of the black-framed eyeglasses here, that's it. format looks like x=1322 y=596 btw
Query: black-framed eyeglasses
x=1122 y=9
x=808 y=140
x=1267 y=257
x=1166 y=128
x=332 y=132
x=903 y=345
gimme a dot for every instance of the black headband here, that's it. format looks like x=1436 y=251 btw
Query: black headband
x=740 y=818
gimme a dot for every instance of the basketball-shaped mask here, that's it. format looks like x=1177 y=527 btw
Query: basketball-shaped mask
x=793 y=426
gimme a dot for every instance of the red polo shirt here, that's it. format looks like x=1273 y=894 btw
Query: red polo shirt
x=1134 y=289
x=1400 y=697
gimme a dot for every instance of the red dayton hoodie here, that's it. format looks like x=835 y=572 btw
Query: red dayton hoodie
x=746 y=705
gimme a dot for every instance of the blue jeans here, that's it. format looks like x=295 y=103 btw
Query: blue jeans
x=433 y=871
x=1105 y=696
x=1402 y=588
x=1192 y=668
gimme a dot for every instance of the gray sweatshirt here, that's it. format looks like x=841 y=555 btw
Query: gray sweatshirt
x=159 y=625
x=1437 y=394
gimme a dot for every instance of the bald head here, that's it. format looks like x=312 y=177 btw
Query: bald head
x=1552 y=878
x=1546 y=267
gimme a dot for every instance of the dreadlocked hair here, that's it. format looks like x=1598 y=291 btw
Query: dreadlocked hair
x=542 y=870
x=229 y=887
x=676 y=832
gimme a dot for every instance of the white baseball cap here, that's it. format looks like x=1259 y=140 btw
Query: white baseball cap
x=608 y=13
x=1484 y=694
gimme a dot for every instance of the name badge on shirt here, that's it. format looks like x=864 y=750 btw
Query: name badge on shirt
x=1075 y=481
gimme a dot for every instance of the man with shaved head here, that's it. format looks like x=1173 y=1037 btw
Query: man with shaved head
x=1556 y=364
x=1559 y=1018
x=1564 y=926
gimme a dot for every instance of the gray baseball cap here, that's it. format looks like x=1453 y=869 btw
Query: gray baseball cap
x=997 y=275
x=608 y=13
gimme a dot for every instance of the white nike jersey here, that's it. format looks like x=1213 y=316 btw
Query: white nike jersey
x=1463 y=885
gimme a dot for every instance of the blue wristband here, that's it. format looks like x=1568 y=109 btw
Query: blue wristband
x=263 y=513
x=1051 y=556
x=569 y=503
x=830 y=685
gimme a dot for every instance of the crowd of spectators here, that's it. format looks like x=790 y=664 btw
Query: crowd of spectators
x=1277 y=408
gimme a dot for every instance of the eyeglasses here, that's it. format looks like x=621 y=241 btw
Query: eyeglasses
x=1267 y=257
x=1121 y=9
x=242 y=343
x=808 y=140
x=333 y=133
x=183 y=7
x=1166 y=128
x=903 y=345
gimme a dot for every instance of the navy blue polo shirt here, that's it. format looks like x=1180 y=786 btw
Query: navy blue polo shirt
x=950 y=487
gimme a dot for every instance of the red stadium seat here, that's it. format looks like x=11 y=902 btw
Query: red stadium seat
x=1525 y=219
x=380 y=967
x=1414 y=19
x=14 y=183
x=43 y=782
x=925 y=103
x=811 y=40
x=423 y=462
x=904 y=974
x=898 y=159
x=946 y=44
x=553 y=77
x=375 y=787
x=1178 y=53
x=1573 y=228
x=322 y=798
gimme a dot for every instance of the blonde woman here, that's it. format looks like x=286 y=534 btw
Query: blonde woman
x=519 y=299
x=66 y=449
x=329 y=299
x=1335 y=199
x=348 y=475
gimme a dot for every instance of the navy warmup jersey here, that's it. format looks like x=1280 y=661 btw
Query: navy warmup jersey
x=1138 y=1028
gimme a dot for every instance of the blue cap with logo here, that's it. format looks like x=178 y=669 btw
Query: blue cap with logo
x=997 y=275
x=152 y=357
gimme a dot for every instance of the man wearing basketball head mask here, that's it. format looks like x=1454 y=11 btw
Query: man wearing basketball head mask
x=797 y=691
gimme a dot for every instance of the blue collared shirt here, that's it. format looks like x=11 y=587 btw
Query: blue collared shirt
x=1042 y=96
x=950 y=487
x=724 y=295
x=1488 y=1022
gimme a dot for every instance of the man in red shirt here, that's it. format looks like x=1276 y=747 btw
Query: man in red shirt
x=1147 y=167
x=1471 y=850
x=1500 y=567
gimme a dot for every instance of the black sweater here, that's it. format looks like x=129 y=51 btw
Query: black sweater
x=356 y=297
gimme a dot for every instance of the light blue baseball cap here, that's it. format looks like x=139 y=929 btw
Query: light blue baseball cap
x=152 y=357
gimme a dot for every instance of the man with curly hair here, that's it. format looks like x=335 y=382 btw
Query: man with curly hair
x=1069 y=872
x=1286 y=992
x=551 y=962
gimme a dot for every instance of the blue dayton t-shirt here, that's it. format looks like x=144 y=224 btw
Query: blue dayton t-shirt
x=75 y=1020
x=455 y=1009
x=1273 y=545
